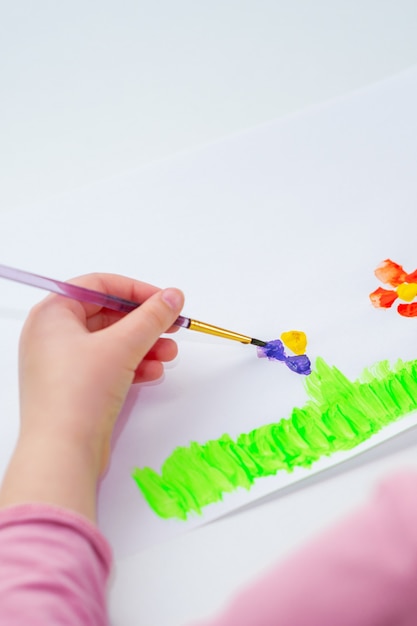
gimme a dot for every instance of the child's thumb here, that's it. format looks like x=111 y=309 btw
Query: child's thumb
x=141 y=328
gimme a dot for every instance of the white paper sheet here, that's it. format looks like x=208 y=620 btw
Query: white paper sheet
x=277 y=228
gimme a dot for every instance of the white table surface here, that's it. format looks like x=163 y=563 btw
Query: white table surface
x=91 y=89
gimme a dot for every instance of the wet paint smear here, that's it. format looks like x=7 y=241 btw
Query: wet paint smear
x=390 y=273
x=408 y=310
x=296 y=340
x=383 y=298
x=405 y=288
x=338 y=415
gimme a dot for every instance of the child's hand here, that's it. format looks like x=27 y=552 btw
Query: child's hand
x=77 y=363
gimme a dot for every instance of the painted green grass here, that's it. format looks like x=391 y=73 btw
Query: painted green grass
x=339 y=415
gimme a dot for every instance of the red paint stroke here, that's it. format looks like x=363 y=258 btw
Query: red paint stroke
x=411 y=278
x=408 y=310
x=383 y=298
x=391 y=273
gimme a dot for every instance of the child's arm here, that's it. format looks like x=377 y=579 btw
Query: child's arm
x=77 y=363
x=76 y=367
x=54 y=567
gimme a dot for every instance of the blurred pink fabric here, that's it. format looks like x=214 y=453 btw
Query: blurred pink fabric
x=362 y=572
x=54 y=567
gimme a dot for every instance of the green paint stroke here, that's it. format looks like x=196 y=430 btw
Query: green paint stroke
x=338 y=415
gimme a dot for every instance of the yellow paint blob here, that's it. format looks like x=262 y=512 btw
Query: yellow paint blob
x=295 y=340
x=407 y=291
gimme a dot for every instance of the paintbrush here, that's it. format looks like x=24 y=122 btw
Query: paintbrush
x=82 y=294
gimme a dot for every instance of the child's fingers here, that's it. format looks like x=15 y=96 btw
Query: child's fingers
x=172 y=329
x=107 y=317
x=147 y=371
x=140 y=329
x=163 y=350
x=114 y=284
x=131 y=335
x=111 y=284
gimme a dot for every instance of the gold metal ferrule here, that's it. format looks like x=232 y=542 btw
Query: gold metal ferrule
x=202 y=327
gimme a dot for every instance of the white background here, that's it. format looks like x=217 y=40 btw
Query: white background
x=91 y=89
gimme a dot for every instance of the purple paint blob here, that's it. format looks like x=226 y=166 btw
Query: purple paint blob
x=299 y=363
x=274 y=350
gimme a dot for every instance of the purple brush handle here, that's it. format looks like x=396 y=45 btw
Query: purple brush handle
x=82 y=294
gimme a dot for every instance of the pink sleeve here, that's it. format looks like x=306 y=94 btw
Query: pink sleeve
x=362 y=572
x=54 y=566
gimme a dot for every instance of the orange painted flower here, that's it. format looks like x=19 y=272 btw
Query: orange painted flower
x=392 y=274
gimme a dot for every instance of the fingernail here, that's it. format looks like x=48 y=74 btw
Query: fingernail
x=173 y=298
